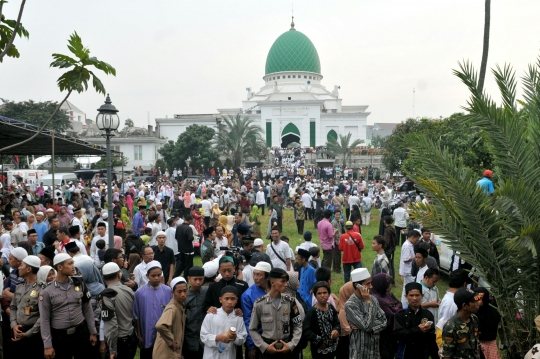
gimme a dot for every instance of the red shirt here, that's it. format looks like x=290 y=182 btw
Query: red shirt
x=349 y=243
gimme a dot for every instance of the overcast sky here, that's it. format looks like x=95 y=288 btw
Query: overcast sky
x=183 y=57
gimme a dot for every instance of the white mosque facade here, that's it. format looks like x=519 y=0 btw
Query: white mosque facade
x=292 y=106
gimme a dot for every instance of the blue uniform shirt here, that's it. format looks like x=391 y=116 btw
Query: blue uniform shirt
x=247 y=300
x=486 y=185
x=307 y=279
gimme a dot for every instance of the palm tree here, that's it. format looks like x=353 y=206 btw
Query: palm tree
x=342 y=147
x=498 y=235
x=241 y=137
x=485 y=49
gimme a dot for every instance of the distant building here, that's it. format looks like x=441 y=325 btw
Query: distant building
x=139 y=145
x=76 y=117
x=292 y=106
x=379 y=129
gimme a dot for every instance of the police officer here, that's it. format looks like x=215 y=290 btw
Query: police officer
x=67 y=320
x=24 y=315
x=116 y=302
x=280 y=318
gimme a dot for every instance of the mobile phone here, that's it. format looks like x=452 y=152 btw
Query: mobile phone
x=430 y=322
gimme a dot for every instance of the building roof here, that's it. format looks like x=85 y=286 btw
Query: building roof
x=386 y=126
x=68 y=106
x=13 y=131
x=293 y=51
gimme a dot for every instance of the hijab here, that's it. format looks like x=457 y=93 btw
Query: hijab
x=117 y=242
x=254 y=213
x=222 y=221
x=230 y=222
x=380 y=283
x=43 y=273
x=6 y=244
x=92 y=278
x=187 y=199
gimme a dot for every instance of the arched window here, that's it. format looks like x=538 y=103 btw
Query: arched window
x=332 y=135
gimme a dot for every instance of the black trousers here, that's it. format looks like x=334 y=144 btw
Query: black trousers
x=194 y=355
x=390 y=256
x=126 y=347
x=29 y=347
x=401 y=237
x=183 y=263
x=261 y=207
x=207 y=221
x=300 y=226
x=145 y=353
x=68 y=346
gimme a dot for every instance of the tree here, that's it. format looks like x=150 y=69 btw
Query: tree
x=485 y=47
x=195 y=142
x=76 y=79
x=128 y=123
x=36 y=113
x=9 y=29
x=498 y=235
x=241 y=138
x=342 y=147
x=115 y=162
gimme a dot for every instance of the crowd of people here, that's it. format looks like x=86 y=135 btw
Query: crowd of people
x=70 y=292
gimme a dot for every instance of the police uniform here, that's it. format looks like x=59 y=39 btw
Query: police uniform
x=25 y=311
x=116 y=303
x=283 y=322
x=67 y=319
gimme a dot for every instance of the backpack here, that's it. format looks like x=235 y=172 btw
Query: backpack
x=365 y=206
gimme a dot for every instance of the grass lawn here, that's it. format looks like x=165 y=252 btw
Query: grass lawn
x=368 y=232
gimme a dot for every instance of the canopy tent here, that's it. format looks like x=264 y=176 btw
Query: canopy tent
x=13 y=131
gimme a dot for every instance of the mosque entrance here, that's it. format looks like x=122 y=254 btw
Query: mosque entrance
x=290 y=135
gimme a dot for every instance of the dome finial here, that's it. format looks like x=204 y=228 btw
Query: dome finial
x=292 y=24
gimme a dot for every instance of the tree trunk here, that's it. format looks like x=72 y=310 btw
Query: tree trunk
x=485 y=49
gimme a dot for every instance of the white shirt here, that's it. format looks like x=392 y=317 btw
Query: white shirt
x=407 y=251
x=77 y=222
x=94 y=249
x=420 y=274
x=260 y=199
x=171 y=241
x=247 y=275
x=447 y=309
x=215 y=324
x=400 y=217
x=283 y=250
x=223 y=242
x=140 y=274
x=206 y=206
x=306 y=200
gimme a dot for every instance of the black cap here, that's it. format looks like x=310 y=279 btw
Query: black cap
x=464 y=295
x=278 y=273
x=30 y=231
x=229 y=289
x=303 y=253
x=76 y=210
x=413 y=286
x=47 y=253
x=208 y=231
x=73 y=230
x=196 y=272
x=72 y=247
x=101 y=224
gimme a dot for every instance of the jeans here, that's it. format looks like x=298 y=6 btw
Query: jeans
x=347 y=269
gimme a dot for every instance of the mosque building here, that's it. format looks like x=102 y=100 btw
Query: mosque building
x=292 y=106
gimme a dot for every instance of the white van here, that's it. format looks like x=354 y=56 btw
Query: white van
x=60 y=179
x=30 y=176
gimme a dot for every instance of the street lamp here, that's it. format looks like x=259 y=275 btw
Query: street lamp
x=108 y=121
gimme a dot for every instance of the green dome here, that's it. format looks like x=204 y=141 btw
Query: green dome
x=293 y=51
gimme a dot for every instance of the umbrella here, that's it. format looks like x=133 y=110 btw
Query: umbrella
x=293 y=145
x=40 y=160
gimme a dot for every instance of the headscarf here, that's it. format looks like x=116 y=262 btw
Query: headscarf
x=187 y=199
x=117 y=242
x=92 y=278
x=129 y=201
x=222 y=221
x=125 y=218
x=216 y=210
x=254 y=213
x=230 y=222
x=294 y=284
x=43 y=273
x=6 y=244
x=488 y=316
x=380 y=283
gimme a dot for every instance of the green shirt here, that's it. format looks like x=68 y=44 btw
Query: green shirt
x=460 y=339
x=276 y=207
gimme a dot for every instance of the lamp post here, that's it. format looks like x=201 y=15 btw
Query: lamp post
x=107 y=120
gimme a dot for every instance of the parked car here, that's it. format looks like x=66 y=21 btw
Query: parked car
x=406 y=186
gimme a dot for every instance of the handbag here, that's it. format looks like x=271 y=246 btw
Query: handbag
x=120 y=225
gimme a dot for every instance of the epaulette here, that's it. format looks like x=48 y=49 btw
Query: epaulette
x=260 y=299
